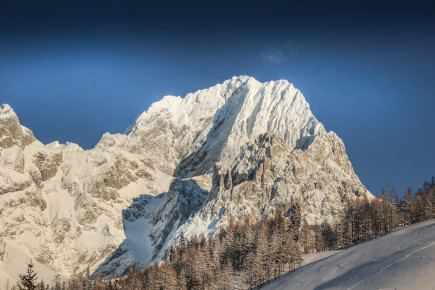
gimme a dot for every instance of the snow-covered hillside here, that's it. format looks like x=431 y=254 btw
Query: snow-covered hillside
x=15 y=263
x=240 y=148
x=404 y=259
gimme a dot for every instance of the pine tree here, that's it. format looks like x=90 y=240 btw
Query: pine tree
x=74 y=282
x=252 y=269
x=306 y=238
x=320 y=243
x=328 y=236
x=339 y=229
x=56 y=282
x=396 y=218
x=417 y=209
x=295 y=219
x=226 y=276
x=181 y=280
x=167 y=277
x=262 y=254
x=347 y=238
x=431 y=199
x=86 y=280
x=427 y=205
x=405 y=206
x=41 y=285
x=28 y=280
x=386 y=213
x=98 y=282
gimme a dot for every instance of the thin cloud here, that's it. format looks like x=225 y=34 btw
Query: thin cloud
x=273 y=56
x=277 y=55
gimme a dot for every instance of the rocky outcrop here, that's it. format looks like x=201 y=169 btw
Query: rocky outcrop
x=11 y=131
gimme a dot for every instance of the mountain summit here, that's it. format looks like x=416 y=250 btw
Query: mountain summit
x=186 y=165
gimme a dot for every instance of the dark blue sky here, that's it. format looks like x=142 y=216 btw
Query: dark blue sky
x=73 y=71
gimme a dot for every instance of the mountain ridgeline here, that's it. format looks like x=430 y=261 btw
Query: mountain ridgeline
x=187 y=166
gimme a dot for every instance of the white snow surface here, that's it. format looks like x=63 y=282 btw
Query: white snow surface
x=239 y=148
x=15 y=263
x=403 y=259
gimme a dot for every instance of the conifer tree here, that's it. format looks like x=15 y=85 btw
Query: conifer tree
x=431 y=197
x=416 y=211
x=386 y=214
x=405 y=206
x=74 y=282
x=307 y=239
x=41 y=285
x=328 y=235
x=262 y=254
x=57 y=285
x=396 y=218
x=226 y=276
x=320 y=244
x=87 y=281
x=28 y=280
x=295 y=219
x=347 y=237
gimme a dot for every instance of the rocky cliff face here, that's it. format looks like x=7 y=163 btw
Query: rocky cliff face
x=241 y=149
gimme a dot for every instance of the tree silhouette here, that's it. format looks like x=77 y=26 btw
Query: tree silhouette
x=28 y=280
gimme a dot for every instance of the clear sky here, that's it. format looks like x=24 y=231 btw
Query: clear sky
x=73 y=70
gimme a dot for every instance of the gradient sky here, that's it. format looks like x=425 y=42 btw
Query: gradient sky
x=73 y=70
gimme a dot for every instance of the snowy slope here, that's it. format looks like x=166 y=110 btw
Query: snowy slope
x=240 y=148
x=15 y=263
x=404 y=259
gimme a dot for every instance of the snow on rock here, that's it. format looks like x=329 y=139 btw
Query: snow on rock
x=404 y=259
x=211 y=125
x=240 y=148
x=11 y=131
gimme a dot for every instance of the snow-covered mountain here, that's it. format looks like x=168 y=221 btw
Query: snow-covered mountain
x=241 y=148
x=403 y=259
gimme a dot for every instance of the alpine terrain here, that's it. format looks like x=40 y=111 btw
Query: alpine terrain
x=186 y=165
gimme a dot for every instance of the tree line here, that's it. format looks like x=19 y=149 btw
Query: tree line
x=247 y=254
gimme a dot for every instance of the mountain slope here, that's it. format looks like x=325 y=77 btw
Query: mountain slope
x=240 y=148
x=404 y=259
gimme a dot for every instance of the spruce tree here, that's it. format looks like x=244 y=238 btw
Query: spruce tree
x=28 y=280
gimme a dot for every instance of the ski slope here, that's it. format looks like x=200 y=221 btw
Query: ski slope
x=404 y=259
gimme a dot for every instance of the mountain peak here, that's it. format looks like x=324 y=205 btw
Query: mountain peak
x=11 y=131
x=242 y=148
x=210 y=124
x=6 y=111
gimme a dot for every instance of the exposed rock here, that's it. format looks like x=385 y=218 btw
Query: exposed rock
x=11 y=131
